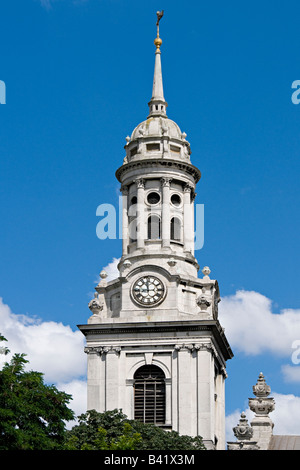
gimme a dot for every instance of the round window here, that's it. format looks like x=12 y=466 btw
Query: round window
x=176 y=200
x=153 y=198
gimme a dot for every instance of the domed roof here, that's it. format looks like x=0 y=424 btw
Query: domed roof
x=157 y=126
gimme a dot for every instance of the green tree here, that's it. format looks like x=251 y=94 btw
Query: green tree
x=126 y=439
x=99 y=431
x=32 y=414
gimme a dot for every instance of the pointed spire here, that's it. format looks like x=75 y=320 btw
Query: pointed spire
x=157 y=104
x=157 y=90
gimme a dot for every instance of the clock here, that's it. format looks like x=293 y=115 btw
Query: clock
x=148 y=291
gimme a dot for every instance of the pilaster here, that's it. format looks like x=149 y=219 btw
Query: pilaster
x=188 y=229
x=96 y=379
x=125 y=235
x=140 y=183
x=112 y=377
x=184 y=407
x=206 y=408
x=165 y=182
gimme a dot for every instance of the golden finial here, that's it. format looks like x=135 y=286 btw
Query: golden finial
x=157 y=40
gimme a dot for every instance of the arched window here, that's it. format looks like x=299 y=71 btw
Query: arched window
x=154 y=228
x=175 y=229
x=150 y=395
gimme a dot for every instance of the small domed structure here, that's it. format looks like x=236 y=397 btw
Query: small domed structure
x=159 y=137
x=157 y=125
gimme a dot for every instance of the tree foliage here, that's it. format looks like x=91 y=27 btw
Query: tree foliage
x=127 y=439
x=113 y=430
x=32 y=414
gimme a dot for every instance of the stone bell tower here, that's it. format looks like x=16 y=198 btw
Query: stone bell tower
x=155 y=346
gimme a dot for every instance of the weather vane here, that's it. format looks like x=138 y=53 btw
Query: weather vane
x=157 y=40
x=159 y=14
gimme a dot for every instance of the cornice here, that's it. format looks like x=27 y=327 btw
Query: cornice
x=163 y=163
x=120 y=330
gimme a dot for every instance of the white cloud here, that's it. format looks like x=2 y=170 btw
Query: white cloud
x=112 y=269
x=51 y=348
x=78 y=390
x=291 y=373
x=112 y=273
x=286 y=416
x=252 y=327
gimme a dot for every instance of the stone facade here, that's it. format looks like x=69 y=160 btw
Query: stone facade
x=190 y=354
x=158 y=312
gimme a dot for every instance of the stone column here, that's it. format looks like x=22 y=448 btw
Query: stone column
x=206 y=405
x=220 y=409
x=112 y=377
x=184 y=390
x=193 y=196
x=123 y=403
x=140 y=213
x=188 y=229
x=125 y=237
x=96 y=380
x=168 y=383
x=175 y=391
x=165 y=213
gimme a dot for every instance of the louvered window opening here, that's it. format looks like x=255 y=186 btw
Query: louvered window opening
x=154 y=227
x=175 y=229
x=149 y=395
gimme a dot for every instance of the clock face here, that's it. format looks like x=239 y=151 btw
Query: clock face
x=148 y=291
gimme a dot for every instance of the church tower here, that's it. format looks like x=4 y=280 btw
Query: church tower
x=154 y=343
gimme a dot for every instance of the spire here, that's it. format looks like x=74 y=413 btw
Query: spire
x=157 y=104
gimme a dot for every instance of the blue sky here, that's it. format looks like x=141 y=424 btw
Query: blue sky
x=78 y=78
